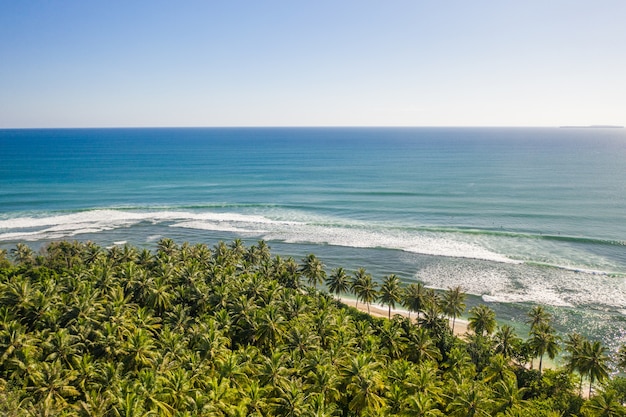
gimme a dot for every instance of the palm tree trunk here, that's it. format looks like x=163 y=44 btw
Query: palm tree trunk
x=453 y=321
x=540 y=362
x=580 y=388
x=368 y=308
x=390 y=311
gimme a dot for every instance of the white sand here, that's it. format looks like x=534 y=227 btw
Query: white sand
x=377 y=310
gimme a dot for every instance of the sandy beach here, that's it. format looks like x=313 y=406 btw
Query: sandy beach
x=378 y=310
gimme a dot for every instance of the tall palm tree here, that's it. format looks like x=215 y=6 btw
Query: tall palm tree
x=415 y=298
x=291 y=401
x=421 y=346
x=544 y=341
x=469 y=402
x=269 y=329
x=338 y=282
x=366 y=391
x=499 y=369
x=367 y=291
x=593 y=362
x=482 y=320
x=453 y=303
x=356 y=283
x=604 y=404
x=390 y=292
x=537 y=316
x=506 y=341
x=574 y=347
x=313 y=270
x=23 y=254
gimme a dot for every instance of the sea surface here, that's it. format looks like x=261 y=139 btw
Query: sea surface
x=516 y=216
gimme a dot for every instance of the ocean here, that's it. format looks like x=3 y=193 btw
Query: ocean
x=515 y=216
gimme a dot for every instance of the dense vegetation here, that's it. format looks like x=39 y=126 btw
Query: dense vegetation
x=232 y=331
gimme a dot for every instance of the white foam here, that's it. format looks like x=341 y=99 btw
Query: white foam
x=527 y=283
x=498 y=281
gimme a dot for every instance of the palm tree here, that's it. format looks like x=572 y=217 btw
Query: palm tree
x=498 y=369
x=542 y=341
x=338 y=282
x=291 y=401
x=313 y=270
x=508 y=395
x=367 y=291
x=506 y=341
x=482 y=320
x=422 y=347
x=593 y=362
x=421 y=406
x=537 y=316
x=415 y=298
x=390 y=292
x=605 y=404
x=392 y=338
x=469 y=402
x=53 y=384
x=356 y=283
x=23 y=254
x=269 y=328
x=453 y=303
x=366 y=391
x=574 y=348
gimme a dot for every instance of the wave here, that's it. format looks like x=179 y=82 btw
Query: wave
x=534 y=274
x=289 y=225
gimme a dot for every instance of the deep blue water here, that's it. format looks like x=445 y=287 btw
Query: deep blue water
x=515 y=216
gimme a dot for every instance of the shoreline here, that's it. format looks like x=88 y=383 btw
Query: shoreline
x=379 y=310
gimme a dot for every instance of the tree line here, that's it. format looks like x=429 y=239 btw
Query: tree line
x=232 y=330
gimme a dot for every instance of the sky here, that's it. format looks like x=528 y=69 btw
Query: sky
x=76 y=63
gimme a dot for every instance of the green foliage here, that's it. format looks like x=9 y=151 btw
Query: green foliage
x=230 y=331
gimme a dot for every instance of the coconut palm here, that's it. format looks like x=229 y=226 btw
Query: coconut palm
x=538 y=316
x=604 y=404
x=469 y=402
x=499 y=369
x=508 y=395
x=574 y=348
x=593 y=362
x=421 y=346
x=22 y=254
x=390 y=292
x=356 y=283
x=453 y=303
x=421 y=406
x=482 y=320
x=506 y=342
x=313 y=270
x=367 y=291
x=338 y=282
x=544 y=341
x=291 y=401
x=53 y=384
x=415 y=298
x=366 y=393
x=269 y=328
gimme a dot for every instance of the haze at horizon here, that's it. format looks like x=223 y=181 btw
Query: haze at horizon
x=352 y=63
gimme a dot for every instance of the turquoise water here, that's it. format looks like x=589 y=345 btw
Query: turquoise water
x=514 y=216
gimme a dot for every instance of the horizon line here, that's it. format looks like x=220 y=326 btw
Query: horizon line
x=597 y=126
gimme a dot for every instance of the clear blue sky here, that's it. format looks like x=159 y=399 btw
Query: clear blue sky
x=309 y=63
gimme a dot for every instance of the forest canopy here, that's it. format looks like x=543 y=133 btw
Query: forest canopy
x=232 y=330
